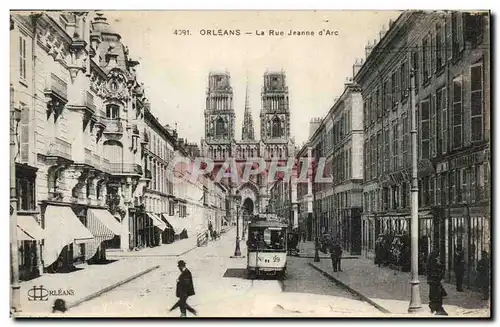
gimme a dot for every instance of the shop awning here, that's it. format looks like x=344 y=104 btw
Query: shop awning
x=106 y=219
x=30 y=229
x=157 y=221
x=176 y=223
x=62 y=227
x=103 y=226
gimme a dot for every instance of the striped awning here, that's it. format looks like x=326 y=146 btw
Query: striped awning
x=28 y=229
x=103 y=226
x=177 y=223
x=157 y=221
x=62 y=227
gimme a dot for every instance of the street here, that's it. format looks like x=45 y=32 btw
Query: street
x=222 y=290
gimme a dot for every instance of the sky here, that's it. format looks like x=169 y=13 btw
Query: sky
x=174 y=68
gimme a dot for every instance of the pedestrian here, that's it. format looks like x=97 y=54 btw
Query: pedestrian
x=338 y=253
x=185 y=289
x=435 y=273
x=59 y=306
x=334 y=257
x=483 y=270
x=459 y=267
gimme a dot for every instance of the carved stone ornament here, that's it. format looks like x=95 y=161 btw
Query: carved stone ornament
x=116 y=87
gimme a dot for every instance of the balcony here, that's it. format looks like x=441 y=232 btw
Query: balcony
x=56 y=87
x=58 y=148
x=124 y=169
x=56 y=92
x=113 y=126
x=88 y=157
x=96 y=161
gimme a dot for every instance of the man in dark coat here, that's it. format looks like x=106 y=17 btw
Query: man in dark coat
x=185 y=289
x=435 y=273
x=338 y=252
x=483 y=270
x=459 y=267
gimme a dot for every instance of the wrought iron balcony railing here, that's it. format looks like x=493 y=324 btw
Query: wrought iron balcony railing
x=124 y=168
x=113 y=126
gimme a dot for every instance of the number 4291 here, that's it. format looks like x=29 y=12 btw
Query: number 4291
x=182 y=32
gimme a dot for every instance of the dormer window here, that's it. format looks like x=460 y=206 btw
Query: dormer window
x=112 y=111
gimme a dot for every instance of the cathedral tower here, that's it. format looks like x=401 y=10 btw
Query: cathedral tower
x=219 y=112
x=275 y=113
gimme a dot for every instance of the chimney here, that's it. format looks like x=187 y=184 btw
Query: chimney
x=313 y=125
x=382 y=32
x=368 y=49
x=357 y=67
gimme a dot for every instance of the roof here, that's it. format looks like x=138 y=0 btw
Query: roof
x=265 y=223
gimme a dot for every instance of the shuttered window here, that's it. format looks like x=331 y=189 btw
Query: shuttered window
x=477 y=119
x=457 y=117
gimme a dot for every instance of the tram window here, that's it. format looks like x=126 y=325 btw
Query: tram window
x=266 y=238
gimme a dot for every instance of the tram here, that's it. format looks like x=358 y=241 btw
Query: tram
x=267 y=246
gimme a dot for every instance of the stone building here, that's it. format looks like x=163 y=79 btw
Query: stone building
x=450 y=54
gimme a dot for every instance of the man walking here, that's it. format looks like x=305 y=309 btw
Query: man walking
x=459 y=267
x=338 y=253
x=483 y=270
x=435 y=272
x=184 y=289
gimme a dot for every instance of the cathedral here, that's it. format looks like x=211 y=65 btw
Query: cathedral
x=275 y=142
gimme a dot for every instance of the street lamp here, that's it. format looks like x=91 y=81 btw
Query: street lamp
x=237 y=251
x=15 y=116
x=415 y=301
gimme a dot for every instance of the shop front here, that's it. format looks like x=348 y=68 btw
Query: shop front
x=65 y=238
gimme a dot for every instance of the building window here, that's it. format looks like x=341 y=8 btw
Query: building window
x=387 y=96
x=276 y=129
x=440 y=47
x=433 y=124
x=453 y=188
x=379 y=153
x=22 y=57
x=112 y=111
x=457 y=113
x=220 y=127
x=404 y=80
x=457 y=33
x=442 y=122
x=377 y=104
x=393 y=90
x=425 y=60
x=386 y=150
x=415 y=66
x=406 y=141
x=444 y=189
x=476 y=76
x=424 y=129
x=394 y=154
x=25 y=193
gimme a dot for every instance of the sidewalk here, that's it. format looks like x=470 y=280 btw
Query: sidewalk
x=306 y=250
x=174 y=249
x=88 y=282
x=389 y=290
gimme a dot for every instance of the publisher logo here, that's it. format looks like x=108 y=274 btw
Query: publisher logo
x=40 y=293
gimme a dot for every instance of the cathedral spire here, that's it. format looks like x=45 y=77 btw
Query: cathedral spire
x=247 y=133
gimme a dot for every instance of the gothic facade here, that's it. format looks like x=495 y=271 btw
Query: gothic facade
x=275 y=142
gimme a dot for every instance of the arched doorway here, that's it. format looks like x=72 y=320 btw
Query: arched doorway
x=248 y=206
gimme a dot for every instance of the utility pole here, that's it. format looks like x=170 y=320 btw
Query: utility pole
x=14 y=244
x=415 y=301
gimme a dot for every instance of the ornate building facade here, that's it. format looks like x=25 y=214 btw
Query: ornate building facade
x=275 y=142
x=91 y=157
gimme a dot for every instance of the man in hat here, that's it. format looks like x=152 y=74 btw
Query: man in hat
x=184 y=290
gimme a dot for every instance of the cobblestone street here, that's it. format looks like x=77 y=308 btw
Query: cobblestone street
x=223 y=291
